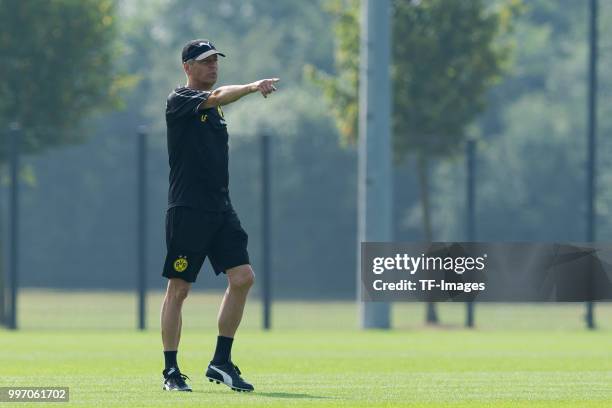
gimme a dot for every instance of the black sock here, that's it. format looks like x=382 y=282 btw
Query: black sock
x=223 y=350
x=170 y=359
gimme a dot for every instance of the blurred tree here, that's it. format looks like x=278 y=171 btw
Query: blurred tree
x=445 y=57
x=267 y=37
x=261 y=38
x=57 y=67
x=444 y=63
x=340 y=89
x=545 y=33
x=532 y=169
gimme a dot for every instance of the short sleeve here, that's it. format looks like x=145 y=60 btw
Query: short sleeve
x=184 y=101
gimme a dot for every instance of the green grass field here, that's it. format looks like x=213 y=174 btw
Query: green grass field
x=519 y=356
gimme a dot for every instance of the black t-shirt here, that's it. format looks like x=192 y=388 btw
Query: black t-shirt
x=198 y=152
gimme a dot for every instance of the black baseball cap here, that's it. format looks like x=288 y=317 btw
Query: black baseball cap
x=198 y=50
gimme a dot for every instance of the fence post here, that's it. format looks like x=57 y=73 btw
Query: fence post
x=13 y=272
x=265 y=221
x=142 y=226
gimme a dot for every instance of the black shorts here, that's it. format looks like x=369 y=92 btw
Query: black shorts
x=192 y=235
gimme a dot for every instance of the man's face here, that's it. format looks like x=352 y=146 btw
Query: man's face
x=203 y=71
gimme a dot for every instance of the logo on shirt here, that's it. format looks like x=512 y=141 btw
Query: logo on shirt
x=203 y=118
x=181 y=263
x=220 y=111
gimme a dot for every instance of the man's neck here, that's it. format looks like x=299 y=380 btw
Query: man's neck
x=199 y=86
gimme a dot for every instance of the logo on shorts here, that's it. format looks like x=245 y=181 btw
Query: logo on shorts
x=181 y=263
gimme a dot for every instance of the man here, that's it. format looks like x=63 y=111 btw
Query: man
x=200 y=220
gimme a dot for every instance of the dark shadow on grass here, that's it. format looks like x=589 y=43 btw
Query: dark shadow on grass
x=289 y=395
x=263 y=394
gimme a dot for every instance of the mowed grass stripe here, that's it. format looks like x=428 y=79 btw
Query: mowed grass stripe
x=323 y=368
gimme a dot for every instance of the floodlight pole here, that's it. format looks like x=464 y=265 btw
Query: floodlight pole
x=374 y=168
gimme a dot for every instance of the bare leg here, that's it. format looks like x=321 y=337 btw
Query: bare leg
x=240 y=279
x=171 y=319
x=180 y=329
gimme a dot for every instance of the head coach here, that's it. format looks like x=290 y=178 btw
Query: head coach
x=200 y=221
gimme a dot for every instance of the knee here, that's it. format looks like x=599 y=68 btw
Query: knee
x=177 y=292
x=242 y=279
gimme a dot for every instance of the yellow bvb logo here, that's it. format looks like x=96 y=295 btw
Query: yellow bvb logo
x=181 y=263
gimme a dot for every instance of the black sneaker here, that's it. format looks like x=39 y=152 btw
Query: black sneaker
x=228 y=374
x=174 y=380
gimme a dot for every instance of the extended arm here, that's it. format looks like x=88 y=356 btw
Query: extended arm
x=231 y=93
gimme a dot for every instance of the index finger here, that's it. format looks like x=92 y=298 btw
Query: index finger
x=274 y=79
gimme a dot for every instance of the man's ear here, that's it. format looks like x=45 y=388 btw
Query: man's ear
x=186 y=67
